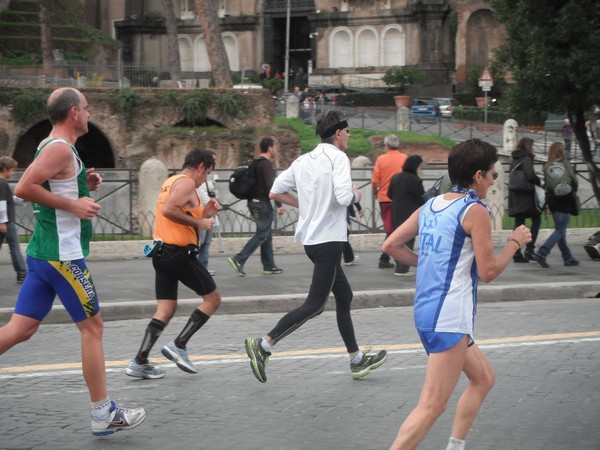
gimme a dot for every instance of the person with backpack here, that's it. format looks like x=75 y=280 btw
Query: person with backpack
x=262 y=212
x=561 y=185
x=521 y=195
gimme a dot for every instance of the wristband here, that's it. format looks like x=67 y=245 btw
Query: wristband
x=513 y=239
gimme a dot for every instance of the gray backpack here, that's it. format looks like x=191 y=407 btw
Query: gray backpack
x=558 y=179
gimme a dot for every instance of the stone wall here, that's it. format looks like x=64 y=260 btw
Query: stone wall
x=149 y=133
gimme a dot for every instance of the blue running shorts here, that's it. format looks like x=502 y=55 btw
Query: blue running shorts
x=437 y=342
x=70 y=280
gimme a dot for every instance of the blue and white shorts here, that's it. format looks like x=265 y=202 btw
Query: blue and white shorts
x=437 y=342
x=70 y=280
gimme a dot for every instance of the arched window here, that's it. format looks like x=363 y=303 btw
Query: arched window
x=230 y=42
x=340 y=45
x=367 y=48
x=186 y=55
x=393 y=46
x=201 y=61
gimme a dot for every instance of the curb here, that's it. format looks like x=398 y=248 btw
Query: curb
x=144 y=309
x=118 y=250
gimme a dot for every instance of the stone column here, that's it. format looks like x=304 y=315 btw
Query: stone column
x=152 y=175
x=495 y=198
x=402 y=119
x=509 y=138
x=292 y=106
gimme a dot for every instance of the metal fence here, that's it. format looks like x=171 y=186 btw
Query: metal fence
x=119 y=220
x=385 y=119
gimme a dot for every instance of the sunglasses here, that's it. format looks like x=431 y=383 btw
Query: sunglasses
x=494 y=177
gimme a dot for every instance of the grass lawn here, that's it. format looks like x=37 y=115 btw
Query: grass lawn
x=359 y=138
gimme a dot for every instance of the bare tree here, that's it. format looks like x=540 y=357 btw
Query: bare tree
x=174 y=58
x=209 y=22
x=46 y=37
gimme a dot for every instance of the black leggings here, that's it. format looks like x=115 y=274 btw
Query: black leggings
x=536 y=221
x=328 y=276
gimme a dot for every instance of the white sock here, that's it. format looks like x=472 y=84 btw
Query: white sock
x=357 y=358
x=455 y=444
x=101 y=409
x=264 y=344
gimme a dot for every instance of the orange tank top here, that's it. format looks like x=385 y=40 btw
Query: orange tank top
x=171 y=232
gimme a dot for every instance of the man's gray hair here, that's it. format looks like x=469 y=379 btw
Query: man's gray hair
x=392 y=141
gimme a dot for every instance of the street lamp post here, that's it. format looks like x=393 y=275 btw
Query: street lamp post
x=286 y=81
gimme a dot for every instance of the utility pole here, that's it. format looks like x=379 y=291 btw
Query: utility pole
x=286 y=81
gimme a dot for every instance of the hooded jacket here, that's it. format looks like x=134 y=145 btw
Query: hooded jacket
x=523 y=203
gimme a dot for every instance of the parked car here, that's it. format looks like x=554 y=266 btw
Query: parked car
x=424 y=108
x=447 y=106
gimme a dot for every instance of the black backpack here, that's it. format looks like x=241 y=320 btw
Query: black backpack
x=243 y=180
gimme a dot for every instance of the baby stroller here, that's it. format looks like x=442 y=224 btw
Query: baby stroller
x=592 y=246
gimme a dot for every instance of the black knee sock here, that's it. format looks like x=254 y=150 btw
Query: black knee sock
x=153 y=331
x=196 y=320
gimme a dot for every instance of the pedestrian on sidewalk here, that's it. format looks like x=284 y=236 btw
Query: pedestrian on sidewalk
x=521 y=194
x=350 y=258
x=455 y=250
x=206 y=191
x=58 y=184
x=179 y=217
x=323 y=181
x=560 y=206
x=261 y=211
x=8 y=227
x=406 y=191
x=386 y=166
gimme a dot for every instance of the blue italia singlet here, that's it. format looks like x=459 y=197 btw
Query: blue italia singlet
x=446 y=294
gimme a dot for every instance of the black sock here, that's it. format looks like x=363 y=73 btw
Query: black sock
x=153 y=331
x=196 y=320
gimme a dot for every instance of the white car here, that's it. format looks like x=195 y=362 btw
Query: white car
x=447 y=106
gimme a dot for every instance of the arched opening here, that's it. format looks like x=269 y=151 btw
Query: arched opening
x=479 y=27
x=341 y=54
x=394 y=46
x=94 y=148
x=367 y=48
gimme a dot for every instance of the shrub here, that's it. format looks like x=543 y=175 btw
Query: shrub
x=29 y=105
x=195 y=106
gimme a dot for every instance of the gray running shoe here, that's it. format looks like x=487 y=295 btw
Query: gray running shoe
x=178 y=356
x=258 y=358
x=239 y=268
x=369 y=361
x=148 y=371
x=117 y=420
x=272 y=271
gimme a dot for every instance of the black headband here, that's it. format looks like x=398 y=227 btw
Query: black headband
x=331 y=130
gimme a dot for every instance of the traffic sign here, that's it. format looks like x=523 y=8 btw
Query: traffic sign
x=486 y=75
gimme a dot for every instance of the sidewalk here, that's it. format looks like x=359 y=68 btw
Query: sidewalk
x=126 y=286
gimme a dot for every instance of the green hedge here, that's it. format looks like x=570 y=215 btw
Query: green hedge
x=366 y=99
x=474 y=114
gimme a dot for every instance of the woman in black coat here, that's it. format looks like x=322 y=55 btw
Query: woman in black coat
x=521 y=203
x=406 y=191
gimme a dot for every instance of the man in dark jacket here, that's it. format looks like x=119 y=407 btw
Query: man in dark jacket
x=406 y=191
x=262 y=211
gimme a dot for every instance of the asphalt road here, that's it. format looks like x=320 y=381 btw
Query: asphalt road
x=545 y=353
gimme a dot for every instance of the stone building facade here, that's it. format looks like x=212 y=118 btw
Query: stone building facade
x=333 y=41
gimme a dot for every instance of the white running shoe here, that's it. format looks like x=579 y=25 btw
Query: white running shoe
x=148 y=371
x=354 y=261
x=178 y=356
x=118 y=419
